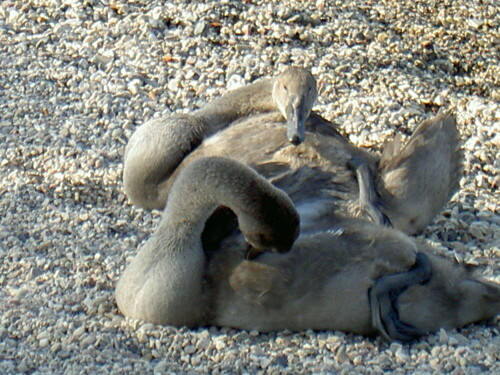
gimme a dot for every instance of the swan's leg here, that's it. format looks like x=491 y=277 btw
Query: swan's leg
x=417 y=179
x=369 y=201
x=383 y=300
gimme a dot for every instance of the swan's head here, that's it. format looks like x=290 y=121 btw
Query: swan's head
x=277 y=235
x=294 y=92
x=271 y=223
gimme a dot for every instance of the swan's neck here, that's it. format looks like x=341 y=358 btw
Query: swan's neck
x=200 y=189
x=187 y=223
x=264 y=213
x=256 y=97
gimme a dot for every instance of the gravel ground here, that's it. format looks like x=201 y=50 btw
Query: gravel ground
x=76 y=78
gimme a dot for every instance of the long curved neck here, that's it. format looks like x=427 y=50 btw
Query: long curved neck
x=262 y=210
x=256 y=97
x=204 y=185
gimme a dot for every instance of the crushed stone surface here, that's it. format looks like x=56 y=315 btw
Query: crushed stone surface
x=78 y=76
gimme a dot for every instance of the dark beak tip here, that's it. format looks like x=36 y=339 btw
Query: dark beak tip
x=295 y=140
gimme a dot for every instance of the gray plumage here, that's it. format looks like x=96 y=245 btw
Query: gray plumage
x=344 y=271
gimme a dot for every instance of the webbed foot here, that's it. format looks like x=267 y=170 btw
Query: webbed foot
x=383 y=300
x=419 y=176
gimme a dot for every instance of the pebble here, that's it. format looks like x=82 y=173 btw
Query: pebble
x=443 y=337
x=22 y=367
x=79 y=331
x=220 y=344
x=79 y=76
x=89 y=340
x=43 y=343
x=161 y=367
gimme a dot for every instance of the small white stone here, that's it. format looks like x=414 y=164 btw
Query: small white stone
x=79 y=331
x=203 y=343
x=219 y=344
x=196 y=361
x=133 y=86
x=142 y=337
x=401 y=355
x=235 y=81
x=475 y=23
x=443 y=337
x=43 y=343
x=265 y=362
x=161 y=367
x=199 y=27
x=22 y=367
x=89 y=340
x=88 y=303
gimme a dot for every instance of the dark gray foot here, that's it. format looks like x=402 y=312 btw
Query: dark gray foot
x=369 y=200
x=383 y=300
